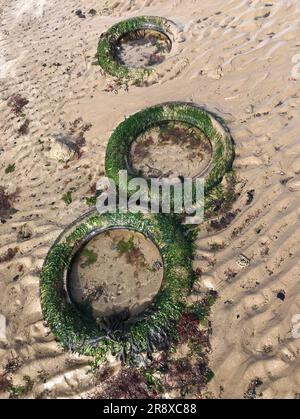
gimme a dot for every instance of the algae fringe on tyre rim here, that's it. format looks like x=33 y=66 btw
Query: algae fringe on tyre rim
x=109 y=40
x=155 y=329
x=210 y=124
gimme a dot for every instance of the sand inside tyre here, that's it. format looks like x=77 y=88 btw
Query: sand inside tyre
x=143 y=48
x=171 y=149
x=118 y=272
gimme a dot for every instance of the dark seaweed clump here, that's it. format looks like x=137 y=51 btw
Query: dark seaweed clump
x=183 y=374
x=17 y=103
x=6 y=203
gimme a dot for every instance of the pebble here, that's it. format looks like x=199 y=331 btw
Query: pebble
x=58 y=151
x=242 y=261
x=80 y=14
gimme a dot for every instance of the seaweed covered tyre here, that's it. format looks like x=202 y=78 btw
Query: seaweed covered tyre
x=222 y=146
x=155 y=328
x=110 y=41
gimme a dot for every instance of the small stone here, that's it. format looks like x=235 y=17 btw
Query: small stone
x=250 y=196
x=281 y=295
x=216 y=73
x=80 y=14
x=203 y=284
x=243 y=261
x=249 y=109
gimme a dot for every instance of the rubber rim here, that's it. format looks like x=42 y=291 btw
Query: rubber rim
x=156 y=327
x=109 y=39
x=211 y=125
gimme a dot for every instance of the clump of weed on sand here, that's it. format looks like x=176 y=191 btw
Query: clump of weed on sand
x=132 y=253
x=6 y=203
x=90 y=258
x=74 y=137
x=127 y=384
x=178 y=133
x=91 y=201
x=17 y=391
x=142 y=148
x=251 y=392
x=68 y=196
x=10 y=168
x=24 y=128
x=125 y=246
x=78 y=125
x=17 y=103
x=13 y=364
x=9 y=255
x=170 y=370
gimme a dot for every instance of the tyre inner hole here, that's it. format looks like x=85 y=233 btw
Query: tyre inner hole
x=171 y=149
x=142 y=48
x=116 y=274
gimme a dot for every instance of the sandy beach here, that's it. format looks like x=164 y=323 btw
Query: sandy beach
x=239 y=59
